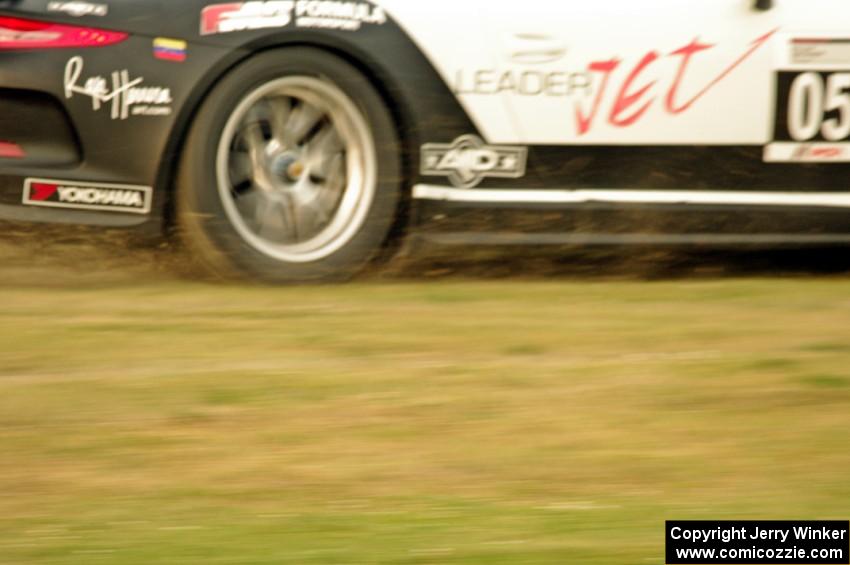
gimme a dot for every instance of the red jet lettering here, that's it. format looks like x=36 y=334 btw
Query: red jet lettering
x=686 y=52
x=606 y=67
x=626 y=98
x=695 y=47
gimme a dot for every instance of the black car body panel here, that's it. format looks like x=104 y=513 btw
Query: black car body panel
x=144 y=150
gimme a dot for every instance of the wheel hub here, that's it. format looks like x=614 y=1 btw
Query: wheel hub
x=287 y=167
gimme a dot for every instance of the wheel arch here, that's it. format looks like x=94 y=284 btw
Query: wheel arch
x=399 y=80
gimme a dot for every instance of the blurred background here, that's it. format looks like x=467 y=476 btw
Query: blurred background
x=474 y=408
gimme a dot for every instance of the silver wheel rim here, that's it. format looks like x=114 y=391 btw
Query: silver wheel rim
x=296 y=169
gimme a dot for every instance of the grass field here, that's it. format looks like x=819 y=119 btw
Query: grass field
x=432 y=422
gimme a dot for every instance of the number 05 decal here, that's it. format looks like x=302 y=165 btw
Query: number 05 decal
x=819 y=105
x=812 y=117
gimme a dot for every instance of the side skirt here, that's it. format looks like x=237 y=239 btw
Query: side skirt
x=581 y=196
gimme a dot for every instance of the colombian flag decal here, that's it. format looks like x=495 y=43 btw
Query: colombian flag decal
x=169 y=49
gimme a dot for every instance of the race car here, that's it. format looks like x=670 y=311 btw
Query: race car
x=299 y=140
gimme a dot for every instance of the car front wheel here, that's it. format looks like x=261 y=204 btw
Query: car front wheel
x=290 y=171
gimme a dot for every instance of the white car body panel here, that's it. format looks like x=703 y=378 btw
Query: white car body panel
x=724 y=95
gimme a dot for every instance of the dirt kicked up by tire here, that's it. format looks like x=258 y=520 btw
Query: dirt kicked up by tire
x=291 y=170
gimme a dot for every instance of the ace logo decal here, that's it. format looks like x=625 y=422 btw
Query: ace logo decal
x=469 y=160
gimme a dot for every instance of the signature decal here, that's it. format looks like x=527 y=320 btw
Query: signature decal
x=126 y=96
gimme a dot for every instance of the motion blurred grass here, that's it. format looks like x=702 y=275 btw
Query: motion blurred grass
x=451 y=422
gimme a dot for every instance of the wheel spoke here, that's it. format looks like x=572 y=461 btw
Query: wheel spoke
x=313 y=210
x=262 y=210
x=241 y=169
x=322 y=149
x=303 y=119
x=268 y=218
x=289 y=217
x=253 y=115
x=246 y=202
x=280 y=111
x=335 y=174
x=334 y=186
x=317 y=204
x=256 y=145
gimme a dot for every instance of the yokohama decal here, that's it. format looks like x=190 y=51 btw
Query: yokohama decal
x=88 y=196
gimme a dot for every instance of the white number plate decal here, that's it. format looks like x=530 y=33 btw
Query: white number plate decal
x=812 y=117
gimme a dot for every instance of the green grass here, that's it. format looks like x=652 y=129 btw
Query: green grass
x=414 y=423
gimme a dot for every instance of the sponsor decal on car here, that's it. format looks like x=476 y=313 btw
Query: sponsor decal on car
x=634 y=93
x=325 y=14
x=819 y=50
x=244 y=16
x=613 y=90
x=535 y=49
x=812 y=121
x=785 y=152
x=468 y=160
x=328 y=14
x=126 y=96
x=78 y=9
x=517 y=79
x=522 y=82
x=169 y=49
x=87 y=196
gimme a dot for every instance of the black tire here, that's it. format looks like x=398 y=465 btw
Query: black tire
x=221 y=240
